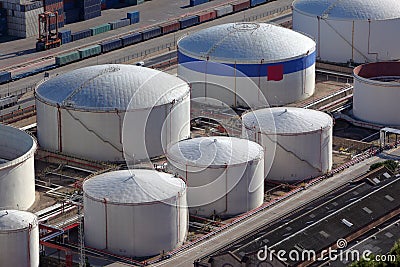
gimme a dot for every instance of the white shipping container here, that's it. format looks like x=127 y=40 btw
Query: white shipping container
x=224 y=10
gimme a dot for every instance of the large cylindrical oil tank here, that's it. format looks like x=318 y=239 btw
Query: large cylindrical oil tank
x=357 y=31
x=99 y=112
x=135 y=213
x=302 y=139
x=242 y=64
x=377 y=93
x=224 y=175
x=19 y=239
x=17 y=173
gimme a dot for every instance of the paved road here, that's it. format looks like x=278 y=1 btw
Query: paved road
x=138 y=48
x=186 y=258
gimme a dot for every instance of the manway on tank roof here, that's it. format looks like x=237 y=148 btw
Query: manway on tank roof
x=16 y=220
x=286 y=120
x=246 y=42
x=214 y=151
x=133 y=186
x=110 y=87
x=350 y=9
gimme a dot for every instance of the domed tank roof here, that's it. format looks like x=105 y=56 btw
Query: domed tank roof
x=16 y=220
x=246 y=42
x=350 y=9
x=133 y=186
x=214 y=151
x=110 y=87
x=286 y=120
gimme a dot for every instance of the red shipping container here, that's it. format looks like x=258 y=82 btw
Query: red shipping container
x=170 y=27
x=238 y=6
x=208 y=15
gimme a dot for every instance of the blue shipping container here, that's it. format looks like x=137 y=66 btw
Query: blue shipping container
x=134 y=16
x=5 y=76
x=110 y=45
x=188 y=21
x=65 y=36
x=131 y=39
x=197 y=2
x=257 y=2
x=3 y=22
x=72 y=16
x=151 y=33
x=80 y=35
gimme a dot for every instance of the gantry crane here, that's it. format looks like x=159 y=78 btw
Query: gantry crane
x=48 y=37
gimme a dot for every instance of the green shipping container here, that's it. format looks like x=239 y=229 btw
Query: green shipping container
x=100 y=29
x=90 y=51
x=67 y=58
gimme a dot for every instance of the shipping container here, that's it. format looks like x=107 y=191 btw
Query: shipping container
x=133 y=2
x=207 y=15
x=70 y=4
x=89 y=51
x=223 y=10
x=197 y=2
x=67 y=58
x=242 y=5
x=119 y=23
x=72 y=15
x=100 y=29
x=65 y=36
x=110 y=45
x=151 y=33
x=170 y=26
x=106 y=4
x=134 y=16
x=5 y=76
x=257 y=2
x=92 y=15
x=188 y=21
x=131 y=39
x=80 y=35
x=3 y=22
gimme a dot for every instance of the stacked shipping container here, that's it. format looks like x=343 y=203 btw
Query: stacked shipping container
x=90 y=9
x=55 y=6
x=71 y=11
x=22 y=17
x=3 y=22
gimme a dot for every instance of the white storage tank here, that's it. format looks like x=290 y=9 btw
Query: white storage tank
x=233 y=62
x=98 y=112
x=19 y=239
x=350 y=31
x=135 y=213
x=224 y=175
x=17 y=172
x=302 y=139
x=377 y=93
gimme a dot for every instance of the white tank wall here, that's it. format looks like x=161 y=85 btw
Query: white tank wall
x=17 y=176
x=342 y=40
x=78 y=140
x=136 y=230
x=374 y=102
x=297 y=156
x=293 y=87
x=209 y=185
x=20 y=247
